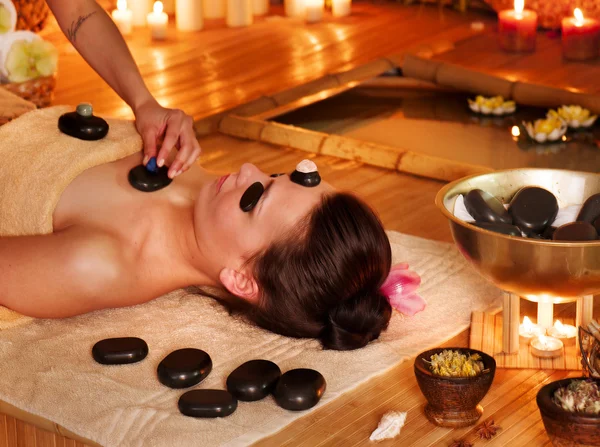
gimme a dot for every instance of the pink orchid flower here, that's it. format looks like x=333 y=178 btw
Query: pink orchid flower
x=400 y=287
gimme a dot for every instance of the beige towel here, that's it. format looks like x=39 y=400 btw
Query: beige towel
x=38 y=163
x=46 y=367
x=12 y=106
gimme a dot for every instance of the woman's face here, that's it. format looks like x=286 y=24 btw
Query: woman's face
x=228 y=236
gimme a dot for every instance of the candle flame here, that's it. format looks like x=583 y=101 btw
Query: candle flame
x=527 y=324
x=157 y=8
x=558 y=326
x=519 y=6
x=515 y=131
x=543 y=339
x=578 y=16
x=122 y=5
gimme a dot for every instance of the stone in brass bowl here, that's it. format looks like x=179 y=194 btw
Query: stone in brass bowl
x=528 y=267
x=566 y=428
x=454 y=401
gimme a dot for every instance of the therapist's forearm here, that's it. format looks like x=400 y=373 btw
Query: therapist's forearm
x=93 y=33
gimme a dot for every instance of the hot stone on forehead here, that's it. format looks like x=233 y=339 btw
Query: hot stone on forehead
x=306 y=174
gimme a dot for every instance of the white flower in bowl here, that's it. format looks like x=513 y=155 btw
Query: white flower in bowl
x=492 y=106
x=575 y=116
x=550 y=129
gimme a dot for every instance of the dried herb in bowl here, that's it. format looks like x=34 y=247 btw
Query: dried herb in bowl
x=449 y=363
x=581 y=396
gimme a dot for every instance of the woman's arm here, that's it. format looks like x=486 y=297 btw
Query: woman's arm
x=95 y=36
x=63 y=274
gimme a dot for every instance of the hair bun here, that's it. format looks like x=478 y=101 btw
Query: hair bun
x=356 y=321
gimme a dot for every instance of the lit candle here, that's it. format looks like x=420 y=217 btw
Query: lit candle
x=580 y=37
x=529 y=331
x=157 y=21
x=546 y=347
x=517 y=28
x=139 y=9
x=563 y=332
x=188 y=15
x=122 y=17
x=239 y=13
x=341 y=8
x=314 y=10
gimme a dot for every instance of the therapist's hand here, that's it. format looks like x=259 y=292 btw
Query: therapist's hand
x=175 y=128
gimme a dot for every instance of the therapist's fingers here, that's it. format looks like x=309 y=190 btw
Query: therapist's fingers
x=149 y=139
x=171 y=137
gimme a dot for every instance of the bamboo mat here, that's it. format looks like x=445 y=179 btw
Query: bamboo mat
x=486 y=336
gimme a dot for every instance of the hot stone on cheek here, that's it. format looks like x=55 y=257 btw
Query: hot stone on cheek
x=251 y=196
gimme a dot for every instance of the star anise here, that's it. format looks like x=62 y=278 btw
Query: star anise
x=461 y=443
x=487 y=430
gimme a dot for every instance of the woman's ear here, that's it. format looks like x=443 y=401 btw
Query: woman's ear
x=239 y=284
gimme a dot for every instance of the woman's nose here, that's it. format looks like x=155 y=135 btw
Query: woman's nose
x=250 y=174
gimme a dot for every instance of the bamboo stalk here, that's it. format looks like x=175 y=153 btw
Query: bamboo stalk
x=241 y=127
x=290 y=136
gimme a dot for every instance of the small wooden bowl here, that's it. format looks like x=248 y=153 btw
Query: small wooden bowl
x=564 y=428
x=454 y=401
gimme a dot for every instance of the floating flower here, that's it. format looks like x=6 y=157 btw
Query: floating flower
x=550 y=129
x=575 y=116
x=495 y=105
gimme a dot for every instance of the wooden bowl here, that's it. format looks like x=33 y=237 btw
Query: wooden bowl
x=454 y=401
x=564 y=428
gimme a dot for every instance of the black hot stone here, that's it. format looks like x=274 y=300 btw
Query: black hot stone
x=184 y=368
x=308 y=179
x=548 y=233
x=590 y=210
x=484 y=207
x=78 y=125
x=120 y=351
x=575 y=231
x=510 y=230
x=207 y=403
x=251 y=197
x=254 y=380
x=147 y=181
x=299 y=389
x=533 y=209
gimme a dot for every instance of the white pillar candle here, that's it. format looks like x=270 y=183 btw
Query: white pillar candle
x=140 y=9
x=341 y=8
x=157 y=21
x=294 y=8
x=314 y=10
x=260 y=7
x=122 y=17
x=188 y=15
x=214 y=9
x=545 y=312
x=239 y=13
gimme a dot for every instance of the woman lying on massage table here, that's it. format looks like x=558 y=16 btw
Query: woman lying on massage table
x=300 y=261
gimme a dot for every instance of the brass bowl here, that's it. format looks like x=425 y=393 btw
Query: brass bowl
x=530 y=268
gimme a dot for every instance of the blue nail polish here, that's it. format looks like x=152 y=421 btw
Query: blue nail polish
x=151 y=166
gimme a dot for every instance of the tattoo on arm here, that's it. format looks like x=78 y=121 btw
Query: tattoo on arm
x=72 y=31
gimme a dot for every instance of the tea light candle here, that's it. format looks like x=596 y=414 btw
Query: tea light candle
x=580 y=37
x=341 y=8
x=157 y=21
x=528 y=331
x=546 y=347
x=314 y=10
x=139 y=9
x=517 y=28
x=122 y=17
x=564 y=332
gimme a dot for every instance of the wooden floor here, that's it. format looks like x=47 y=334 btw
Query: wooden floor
x=216 y=69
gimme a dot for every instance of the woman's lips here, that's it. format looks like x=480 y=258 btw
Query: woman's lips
x=221 y=181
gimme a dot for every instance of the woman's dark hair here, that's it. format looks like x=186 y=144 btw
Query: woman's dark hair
x=322 y=280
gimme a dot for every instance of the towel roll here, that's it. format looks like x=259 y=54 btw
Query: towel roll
x=8 y=17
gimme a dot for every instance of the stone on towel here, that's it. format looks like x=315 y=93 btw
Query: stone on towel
x=184 y=368
x=254 y=380
x=120 y=351
x=207 y=403
x=299 y=389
